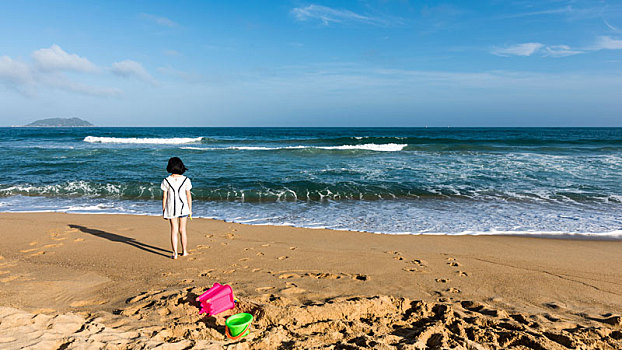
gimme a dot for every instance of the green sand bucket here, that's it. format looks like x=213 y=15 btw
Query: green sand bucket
x=238 y=325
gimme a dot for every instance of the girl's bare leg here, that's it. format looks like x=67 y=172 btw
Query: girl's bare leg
x=174 y=230
x=184 y=237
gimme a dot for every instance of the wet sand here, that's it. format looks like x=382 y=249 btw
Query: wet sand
x=71 y=281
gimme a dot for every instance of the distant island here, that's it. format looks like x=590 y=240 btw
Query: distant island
x=59 y=123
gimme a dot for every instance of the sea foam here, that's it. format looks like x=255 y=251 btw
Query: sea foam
x=163 y=141
x=388 y=147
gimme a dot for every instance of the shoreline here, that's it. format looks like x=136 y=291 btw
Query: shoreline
x=96 y=264
x=613 y=235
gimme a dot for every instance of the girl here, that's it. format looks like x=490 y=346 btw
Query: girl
x=177 y=203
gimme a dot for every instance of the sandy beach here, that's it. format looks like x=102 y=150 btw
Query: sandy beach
x=77 y=281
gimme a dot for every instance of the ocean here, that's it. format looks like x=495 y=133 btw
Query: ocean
x=557 y=182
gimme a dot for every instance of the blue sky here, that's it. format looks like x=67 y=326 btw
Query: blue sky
x=298 y=63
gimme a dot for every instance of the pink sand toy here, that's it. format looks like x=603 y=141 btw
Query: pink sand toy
x=217 y=299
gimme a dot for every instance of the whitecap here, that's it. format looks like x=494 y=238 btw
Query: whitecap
x=388 y=147
x=135 y=140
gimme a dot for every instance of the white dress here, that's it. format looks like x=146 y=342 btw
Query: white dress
x=176 y=199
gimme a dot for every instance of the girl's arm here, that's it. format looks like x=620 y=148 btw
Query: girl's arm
x=164 y=194
x=189 y=195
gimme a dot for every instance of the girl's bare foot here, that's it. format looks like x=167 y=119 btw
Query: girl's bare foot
x=185 y=254
x=174 y=256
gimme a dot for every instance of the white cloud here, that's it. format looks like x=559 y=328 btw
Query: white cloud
x=132 y=69
x=607 y=43
x=17 y=75
x=61 y=82
x=47 y=71
x=56 y=59
x=14 y=71
x=561 y=51
x=329 y=15
x=163 y=21
x=525 y=49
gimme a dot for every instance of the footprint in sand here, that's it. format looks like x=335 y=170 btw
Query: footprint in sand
x=292 y=248
x=230 y=236
x=396 y=255
x=442 y=280
x=325 y=275
x=419 y=262
x=256 y=270
x=259 y=254
x=552 y=305
x=78 y=240
x=410 y=269
x=223 y=243
x=33 y=243
x=202 y=246
x=462 y=273
x=38 y=253
x=206 y=273
x=209 y=235
x=227 y=272
x=453 y=290
x=186 y=281
x=289 y=275
x=265 y=245
x=263 y=289
x=243 y=259
x=283 y=257
x=454 y=263
x=359 y=277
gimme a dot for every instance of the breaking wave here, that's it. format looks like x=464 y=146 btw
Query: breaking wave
x=389 y=147
x=161 y=141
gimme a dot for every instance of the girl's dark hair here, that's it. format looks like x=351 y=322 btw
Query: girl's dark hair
x=176 y=166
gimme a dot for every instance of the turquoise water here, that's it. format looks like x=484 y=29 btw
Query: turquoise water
x=564 y=181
